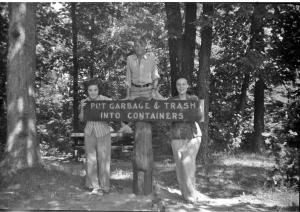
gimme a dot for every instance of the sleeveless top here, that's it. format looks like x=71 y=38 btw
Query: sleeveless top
x=186 y=129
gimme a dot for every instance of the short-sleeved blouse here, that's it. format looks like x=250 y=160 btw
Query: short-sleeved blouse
x=98 y=128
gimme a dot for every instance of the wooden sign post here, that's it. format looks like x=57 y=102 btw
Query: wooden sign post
x=142 y=161
x=143 y=113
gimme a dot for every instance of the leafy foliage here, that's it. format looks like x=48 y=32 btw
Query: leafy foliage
x=105 y=38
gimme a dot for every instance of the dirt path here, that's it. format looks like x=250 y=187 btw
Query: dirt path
x=225 y=187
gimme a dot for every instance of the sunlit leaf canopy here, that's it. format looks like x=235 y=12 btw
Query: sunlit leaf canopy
x=105 y=35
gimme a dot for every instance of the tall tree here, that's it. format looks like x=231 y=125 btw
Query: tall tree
x=92 y=40
x=174 y=27
x=258 y=45
x=243 y=95
x=246 y=66
x=204 y=72
x=75 y=68
x=253 y=50
x=181 y=41
x=3 y=69
x=189 y=39
x=22 y=146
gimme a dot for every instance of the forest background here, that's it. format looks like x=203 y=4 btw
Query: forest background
x=241 y=58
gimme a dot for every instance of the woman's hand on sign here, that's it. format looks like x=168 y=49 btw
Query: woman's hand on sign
x=156 y=95
x=83 y=103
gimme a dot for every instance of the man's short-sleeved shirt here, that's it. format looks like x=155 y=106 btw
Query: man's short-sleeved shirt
x=98 y=128
x=141 y=73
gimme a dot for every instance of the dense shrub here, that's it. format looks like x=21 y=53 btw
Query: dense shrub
x=283 y=141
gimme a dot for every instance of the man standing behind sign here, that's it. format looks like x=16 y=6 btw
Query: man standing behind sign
x=186 y=139
x=141 y=72
x=141 y=81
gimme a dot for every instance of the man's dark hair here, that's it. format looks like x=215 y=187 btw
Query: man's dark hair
x=141 y=40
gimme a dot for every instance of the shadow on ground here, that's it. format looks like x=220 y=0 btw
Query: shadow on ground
x=225 y=187
x=59 y=185
x=42 y=189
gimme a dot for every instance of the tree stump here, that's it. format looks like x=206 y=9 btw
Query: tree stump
x=142 y=159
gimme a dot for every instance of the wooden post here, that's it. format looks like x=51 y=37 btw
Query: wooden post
x=142 y=159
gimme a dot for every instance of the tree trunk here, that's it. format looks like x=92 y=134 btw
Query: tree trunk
x=22 y=147
x=258 y=44
x=3 y=80
x=75 y=69
x=92 y=54
x=243 y=95
x=181 y=46
x=256 y=30
x=203 y=75
x=258 y=145
x=174 y=27
x=189 y=40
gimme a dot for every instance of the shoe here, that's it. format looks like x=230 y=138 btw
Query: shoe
x=87 y=188
x=96 y=191
x=191 y=200
x=106 y=192
x=197 y=197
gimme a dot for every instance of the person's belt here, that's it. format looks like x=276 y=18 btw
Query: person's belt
x=141 y=86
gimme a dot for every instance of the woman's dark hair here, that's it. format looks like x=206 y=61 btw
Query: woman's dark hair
x=93 y=81
x=188 y=90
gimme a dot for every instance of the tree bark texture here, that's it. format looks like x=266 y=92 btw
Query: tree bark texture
x=256 y=30
x=142 y=159
x=258 y=145
x=181 y=44
x=243 y=96
x=22 y=147
x=75 y=69
x=258 y=45
x=92 y=54
x=189 y=40
x=203 y=75
x=174 y=27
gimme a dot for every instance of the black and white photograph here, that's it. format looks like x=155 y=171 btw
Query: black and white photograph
x=149 y=106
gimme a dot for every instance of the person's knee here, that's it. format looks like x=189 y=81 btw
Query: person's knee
x=186 y=159
x=91 y=157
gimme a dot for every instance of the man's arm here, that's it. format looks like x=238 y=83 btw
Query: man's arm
x=155 y=83
x=154 y=75
x=127 y=92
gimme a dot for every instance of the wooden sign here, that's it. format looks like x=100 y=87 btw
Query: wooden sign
x=141 y=110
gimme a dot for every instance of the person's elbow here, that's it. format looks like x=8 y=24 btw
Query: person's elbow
x=80 y=117
x=200 y=114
